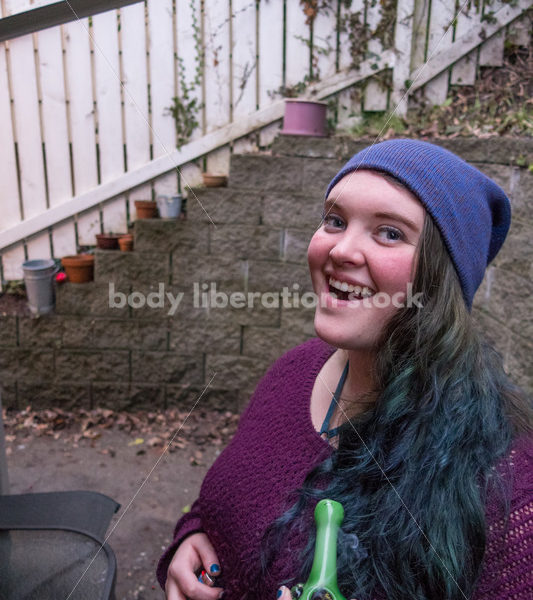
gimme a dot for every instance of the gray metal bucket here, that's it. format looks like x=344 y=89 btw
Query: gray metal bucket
x=169 y=206
x=39 y=280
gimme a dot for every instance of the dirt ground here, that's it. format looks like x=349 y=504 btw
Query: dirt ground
x=128 y=466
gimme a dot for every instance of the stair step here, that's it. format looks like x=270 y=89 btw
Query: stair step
x=135 y=267
x=340 y=147
x=88 y=299
x=169 y=235
x=224 y=205
x=247 y=207
x=282 y=174
x=499 y=150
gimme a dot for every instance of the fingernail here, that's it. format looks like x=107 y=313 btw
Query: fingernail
x=214 y=568
x=279 y=592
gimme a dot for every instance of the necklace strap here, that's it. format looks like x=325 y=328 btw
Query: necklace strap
x=334 y=401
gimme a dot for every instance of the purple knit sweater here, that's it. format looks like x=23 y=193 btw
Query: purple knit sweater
x=274 y=448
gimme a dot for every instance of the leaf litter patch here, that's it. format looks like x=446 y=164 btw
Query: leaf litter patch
x=169 y=430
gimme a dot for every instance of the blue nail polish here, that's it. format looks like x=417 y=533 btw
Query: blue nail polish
x=280 y=591
x=214 y=568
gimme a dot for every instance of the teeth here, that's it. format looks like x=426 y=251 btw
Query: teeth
x=343 y=286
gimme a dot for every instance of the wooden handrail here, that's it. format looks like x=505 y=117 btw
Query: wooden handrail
x=473 y=38
x=51 y=15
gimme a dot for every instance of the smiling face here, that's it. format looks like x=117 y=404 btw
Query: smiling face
x=364 y=253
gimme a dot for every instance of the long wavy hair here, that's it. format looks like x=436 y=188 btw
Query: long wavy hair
x=413 y=472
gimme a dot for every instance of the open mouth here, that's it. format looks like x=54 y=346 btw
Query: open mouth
x=342 y=290
x=338 y=294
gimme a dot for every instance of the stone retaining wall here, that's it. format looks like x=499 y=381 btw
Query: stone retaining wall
x=92 y=354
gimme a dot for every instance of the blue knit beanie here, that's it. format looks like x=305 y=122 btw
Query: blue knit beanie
x=473 y=214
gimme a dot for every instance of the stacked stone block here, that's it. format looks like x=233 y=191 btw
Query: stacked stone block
x=251 y=237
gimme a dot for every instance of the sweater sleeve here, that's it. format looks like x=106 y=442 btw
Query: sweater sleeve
x=188 y=524
x=192 y=521
x=508 y=566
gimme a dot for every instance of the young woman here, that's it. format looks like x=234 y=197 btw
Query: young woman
x=398 y=410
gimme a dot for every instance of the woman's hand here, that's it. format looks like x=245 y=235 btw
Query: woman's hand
x=195 y=552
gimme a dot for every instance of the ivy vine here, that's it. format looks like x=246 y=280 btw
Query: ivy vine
x=185 y=107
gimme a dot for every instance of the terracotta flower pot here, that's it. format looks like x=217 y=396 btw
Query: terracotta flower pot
x=305 y=117
x=213 y=180
x=107 y=241
x=146 y=209
x=79 y=268
x=125 y=242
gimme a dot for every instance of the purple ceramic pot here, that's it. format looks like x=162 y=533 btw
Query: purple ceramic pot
x=304 y=117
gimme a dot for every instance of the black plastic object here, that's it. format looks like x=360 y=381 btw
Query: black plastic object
x=52 y=546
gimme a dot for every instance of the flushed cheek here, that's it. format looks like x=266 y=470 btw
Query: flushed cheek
x=318 y=251
x=394 y=276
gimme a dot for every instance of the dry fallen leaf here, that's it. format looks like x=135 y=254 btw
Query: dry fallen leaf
x=155 y=441
x=136 y=442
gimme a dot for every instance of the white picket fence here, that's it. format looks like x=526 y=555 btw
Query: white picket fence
x=84 y=120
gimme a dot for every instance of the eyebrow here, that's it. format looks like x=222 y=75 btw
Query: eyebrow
x=388 y=215
x=329 y=204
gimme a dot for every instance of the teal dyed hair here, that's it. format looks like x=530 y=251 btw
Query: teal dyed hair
x=444 y=415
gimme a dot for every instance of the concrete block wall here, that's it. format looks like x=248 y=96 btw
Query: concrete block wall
x=98 y=350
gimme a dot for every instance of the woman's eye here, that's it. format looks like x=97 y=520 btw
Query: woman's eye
x=332 y=221
x=390 y=234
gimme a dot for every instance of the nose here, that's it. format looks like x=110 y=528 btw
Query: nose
x=348 y=249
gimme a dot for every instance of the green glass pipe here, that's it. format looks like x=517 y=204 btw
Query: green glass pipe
x=322 y=582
